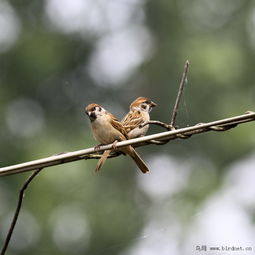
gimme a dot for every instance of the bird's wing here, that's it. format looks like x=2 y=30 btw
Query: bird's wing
x=117 y=125
x=132 y=120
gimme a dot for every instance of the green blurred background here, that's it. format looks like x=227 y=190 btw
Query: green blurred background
x=57 y=56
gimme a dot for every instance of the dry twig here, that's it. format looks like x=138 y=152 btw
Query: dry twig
x=178 y=98
x=171 y=126
x=16 y=214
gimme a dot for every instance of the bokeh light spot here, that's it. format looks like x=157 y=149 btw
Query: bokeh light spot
x=166 y=177
x=117 y=56
x=71 y=231
x=24 y=117
x=10 y=26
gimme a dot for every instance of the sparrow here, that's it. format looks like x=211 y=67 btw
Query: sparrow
x=107 y=129
x=138 y=114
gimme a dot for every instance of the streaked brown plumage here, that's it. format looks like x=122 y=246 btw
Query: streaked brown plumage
x=107 y=129
x=138 y=114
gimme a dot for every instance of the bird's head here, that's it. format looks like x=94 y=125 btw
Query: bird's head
x=94 y=111
x=142 y=104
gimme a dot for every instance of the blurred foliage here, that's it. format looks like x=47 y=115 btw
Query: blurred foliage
x=46 y=80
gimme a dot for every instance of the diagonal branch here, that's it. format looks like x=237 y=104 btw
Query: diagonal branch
x=90 y=153
x=16 y=214
x=178 y=98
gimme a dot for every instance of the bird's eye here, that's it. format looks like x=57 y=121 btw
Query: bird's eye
x=93 y=109
x=100 y=109
x=144 y=106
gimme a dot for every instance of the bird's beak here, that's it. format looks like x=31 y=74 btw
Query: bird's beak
x=153 y=104
x=92 y=115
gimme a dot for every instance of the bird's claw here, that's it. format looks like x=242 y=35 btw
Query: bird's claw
x=114 y=144
x=97 y=147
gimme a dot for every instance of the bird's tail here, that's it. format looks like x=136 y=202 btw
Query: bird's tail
x=138 y=160
x=102 y=160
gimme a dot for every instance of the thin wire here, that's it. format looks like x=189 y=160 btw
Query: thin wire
x=218 y=125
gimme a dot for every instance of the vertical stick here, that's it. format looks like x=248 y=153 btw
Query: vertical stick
x=181 y=87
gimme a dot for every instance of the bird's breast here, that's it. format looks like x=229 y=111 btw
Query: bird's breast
x=104 y=132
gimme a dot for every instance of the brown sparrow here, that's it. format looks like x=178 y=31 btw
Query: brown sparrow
x=139 y=113
x=107 y=129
